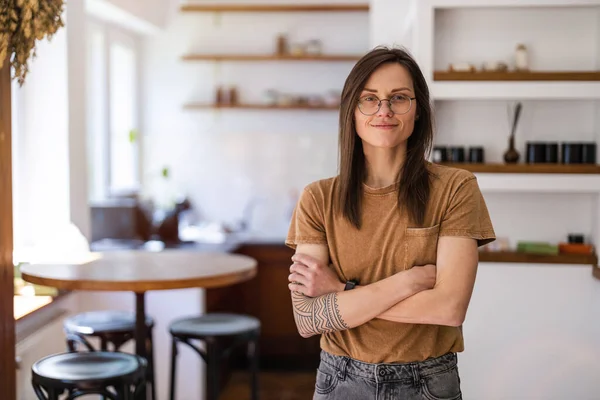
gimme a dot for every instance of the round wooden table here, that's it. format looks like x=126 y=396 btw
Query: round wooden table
x=141 y=271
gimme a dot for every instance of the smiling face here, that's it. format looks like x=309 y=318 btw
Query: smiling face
x=385 y=129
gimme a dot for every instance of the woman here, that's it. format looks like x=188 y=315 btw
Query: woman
x=386 y=252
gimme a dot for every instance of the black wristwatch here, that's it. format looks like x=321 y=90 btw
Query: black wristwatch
x=350 y=285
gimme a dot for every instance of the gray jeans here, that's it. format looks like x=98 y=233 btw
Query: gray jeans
x=343 y=378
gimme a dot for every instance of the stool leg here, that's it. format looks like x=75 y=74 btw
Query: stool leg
x=151 y=375
x=39 y=392
x=103 y=343
x=214 y=369
x=253 y=354
x=173 y=366
x=125 y=393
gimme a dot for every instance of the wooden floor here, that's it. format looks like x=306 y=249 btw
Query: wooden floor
x=273 y=386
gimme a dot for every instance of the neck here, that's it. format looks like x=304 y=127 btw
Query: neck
x=383 y=165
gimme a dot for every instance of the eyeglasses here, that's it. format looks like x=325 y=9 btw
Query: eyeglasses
x=399 y=104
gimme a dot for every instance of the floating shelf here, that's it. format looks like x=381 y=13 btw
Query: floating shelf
x=274 y=7
x=528 y=168
x=268 y=57
x=193 y=106
x=520 y=257
x=510 y=90
x=517 y=76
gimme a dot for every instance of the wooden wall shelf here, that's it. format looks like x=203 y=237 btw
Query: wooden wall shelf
x=274 y=7
x=519 y=257
x=517 y=76
x=196 y=106
x=529 y=168
x=269 y=57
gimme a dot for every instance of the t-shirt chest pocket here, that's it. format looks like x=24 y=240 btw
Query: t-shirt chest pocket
x=420 y=246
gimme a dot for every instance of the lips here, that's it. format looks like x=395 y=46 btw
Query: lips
x=384 y=126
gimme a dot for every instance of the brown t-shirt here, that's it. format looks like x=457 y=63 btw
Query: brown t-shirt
x=385 y=245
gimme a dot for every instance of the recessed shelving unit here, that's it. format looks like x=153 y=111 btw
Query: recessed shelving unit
x=520 y=257
x=200 y=106
x=528 y=168
x=261 y=8
x=270 y=57
x=517 y=76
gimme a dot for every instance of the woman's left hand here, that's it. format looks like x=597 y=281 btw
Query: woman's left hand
x=312 y=278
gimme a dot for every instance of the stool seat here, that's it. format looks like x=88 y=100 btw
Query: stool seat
x=91 y=367
x=217 y=324
x=92 y=322
x=221 y=334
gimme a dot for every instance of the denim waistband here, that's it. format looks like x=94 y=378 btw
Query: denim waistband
x=413 y=371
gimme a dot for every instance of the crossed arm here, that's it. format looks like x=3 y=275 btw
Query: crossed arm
x=402 y=297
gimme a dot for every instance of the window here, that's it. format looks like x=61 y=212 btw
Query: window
x=113 y=83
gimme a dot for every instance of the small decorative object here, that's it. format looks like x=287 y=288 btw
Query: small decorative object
x=462 y=67
x=233 y=95
x=22 y=22
x=313 y=47
x=521 y=58
x=588 y=153
x=297 y=49
x=456 y=154
x=282 y=44
x=576 y=238
x=220 y=97
x=333 y=98
x=476 y=155
x=301 y=100
x=285 y=99
x=316 y=101
x=495 y=66
x=571 y=153
x=271 y=97
x=439 y=155
x=511 y=156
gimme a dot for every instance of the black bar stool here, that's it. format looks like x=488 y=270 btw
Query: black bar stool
x=212 y=329
x=113 y=328
x=116 y=376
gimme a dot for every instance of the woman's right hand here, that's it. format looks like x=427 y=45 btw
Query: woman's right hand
x=424 y=276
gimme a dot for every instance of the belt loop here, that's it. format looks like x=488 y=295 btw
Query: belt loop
x=343 y=366
x=416 y=375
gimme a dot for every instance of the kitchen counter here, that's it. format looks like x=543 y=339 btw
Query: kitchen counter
x=230 y=245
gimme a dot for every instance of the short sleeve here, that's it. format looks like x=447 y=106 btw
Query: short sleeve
x=306 y=225
x=467 y=214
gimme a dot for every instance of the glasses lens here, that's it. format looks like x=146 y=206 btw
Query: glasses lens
x=368 y=105
x=400 y=104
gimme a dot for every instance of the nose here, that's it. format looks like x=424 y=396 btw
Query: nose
x=385 y=109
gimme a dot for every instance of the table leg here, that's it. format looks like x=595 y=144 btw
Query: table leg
x=140 y=334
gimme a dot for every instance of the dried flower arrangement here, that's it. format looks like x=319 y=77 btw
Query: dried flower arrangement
x=22 y=22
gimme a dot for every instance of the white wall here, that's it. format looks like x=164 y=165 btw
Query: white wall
x=224 y=159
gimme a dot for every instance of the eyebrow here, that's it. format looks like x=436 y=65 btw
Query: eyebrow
x=393 y=90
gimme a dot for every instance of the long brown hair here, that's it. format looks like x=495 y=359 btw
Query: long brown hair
x=414 y=188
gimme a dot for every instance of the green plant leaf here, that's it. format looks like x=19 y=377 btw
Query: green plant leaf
x=133 y=134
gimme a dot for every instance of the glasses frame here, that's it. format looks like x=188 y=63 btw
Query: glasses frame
x=389 y=105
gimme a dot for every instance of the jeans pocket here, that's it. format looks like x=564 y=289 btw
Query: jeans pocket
x=327 y=380
x=442 y=386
